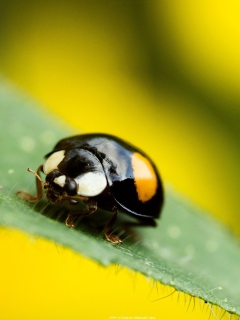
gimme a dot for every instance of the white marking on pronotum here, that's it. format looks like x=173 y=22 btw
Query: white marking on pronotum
x=53 y=161
x=91 y=184
x=60 y=181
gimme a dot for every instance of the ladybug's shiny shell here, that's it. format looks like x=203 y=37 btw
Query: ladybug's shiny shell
x=95 y=162
x=103 y=171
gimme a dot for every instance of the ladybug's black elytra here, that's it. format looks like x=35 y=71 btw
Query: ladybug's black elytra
x=101 y=170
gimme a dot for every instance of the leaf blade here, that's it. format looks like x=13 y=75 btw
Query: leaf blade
x=188 y=250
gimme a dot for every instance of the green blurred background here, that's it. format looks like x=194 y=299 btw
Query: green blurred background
x=162 y=74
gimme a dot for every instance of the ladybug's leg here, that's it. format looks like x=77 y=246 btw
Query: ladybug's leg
x=91 y=205
x=107 y=230
x=27 y=196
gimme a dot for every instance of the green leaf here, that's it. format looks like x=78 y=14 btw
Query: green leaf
x=188 y=250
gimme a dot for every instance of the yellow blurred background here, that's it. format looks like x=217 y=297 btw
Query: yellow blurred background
x=161 y=74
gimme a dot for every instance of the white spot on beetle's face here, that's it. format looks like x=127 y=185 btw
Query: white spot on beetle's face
x=53 y=161
x=91 y=184
x=60 y=181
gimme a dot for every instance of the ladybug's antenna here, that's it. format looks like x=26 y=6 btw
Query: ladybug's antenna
x=37 y=176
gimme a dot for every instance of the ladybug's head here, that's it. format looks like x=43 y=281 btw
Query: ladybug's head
x=72 y=175
x=58 y=187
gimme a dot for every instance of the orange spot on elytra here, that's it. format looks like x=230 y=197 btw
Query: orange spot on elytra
x=145 y=178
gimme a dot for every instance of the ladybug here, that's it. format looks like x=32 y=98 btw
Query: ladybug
x=101 y=170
